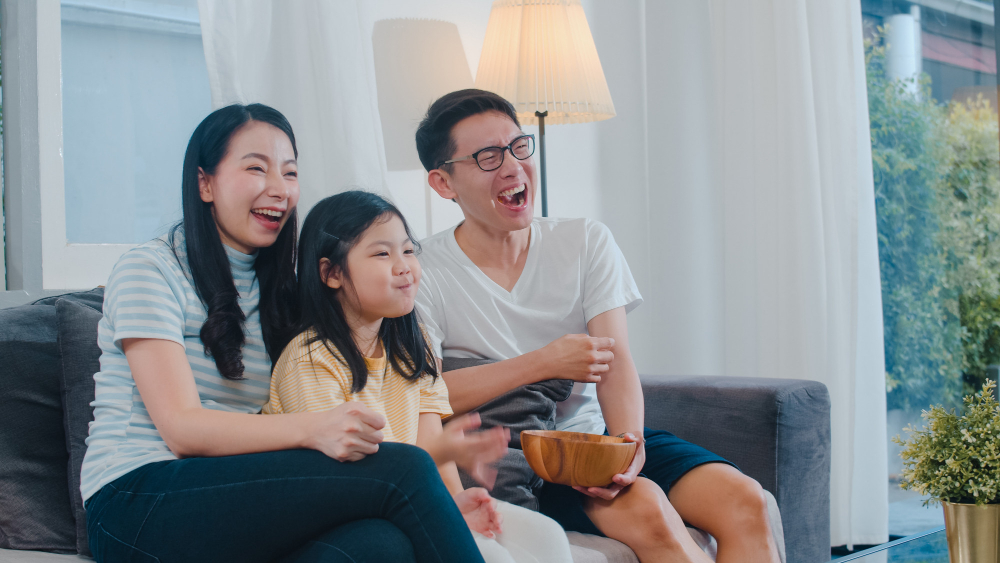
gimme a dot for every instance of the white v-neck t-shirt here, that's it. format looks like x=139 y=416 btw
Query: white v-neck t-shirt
x=574 y=271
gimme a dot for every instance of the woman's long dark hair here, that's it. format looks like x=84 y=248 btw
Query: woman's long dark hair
x=330 y=230
x=223 y=332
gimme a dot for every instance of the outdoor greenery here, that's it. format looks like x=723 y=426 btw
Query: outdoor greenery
x=937 y=197
x=956 y=458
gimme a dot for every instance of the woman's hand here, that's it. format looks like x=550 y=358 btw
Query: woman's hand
x=472 y=451
x=347 y=433
x=480 y=511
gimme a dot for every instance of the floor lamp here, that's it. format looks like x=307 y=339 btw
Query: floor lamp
x=540 y=55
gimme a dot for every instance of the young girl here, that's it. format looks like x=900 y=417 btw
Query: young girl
x=179 y=465
x=360 y=343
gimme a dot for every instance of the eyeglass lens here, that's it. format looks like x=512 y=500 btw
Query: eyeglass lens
x=492 y=158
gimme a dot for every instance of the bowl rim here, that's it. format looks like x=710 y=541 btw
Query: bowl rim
x=570 y=436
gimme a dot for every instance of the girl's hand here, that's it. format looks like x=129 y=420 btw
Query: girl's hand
x=480 y=511
x=347 y=433
x=473 y=451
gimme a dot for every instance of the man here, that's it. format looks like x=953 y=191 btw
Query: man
x=548 y=298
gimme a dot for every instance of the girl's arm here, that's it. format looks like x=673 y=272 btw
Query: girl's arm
x=456 y=442
x=165 y=382
x=476 y=505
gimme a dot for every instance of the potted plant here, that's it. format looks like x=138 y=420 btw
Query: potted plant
x=955 y=460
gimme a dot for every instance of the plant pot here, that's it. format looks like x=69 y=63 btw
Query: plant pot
x=973 y=532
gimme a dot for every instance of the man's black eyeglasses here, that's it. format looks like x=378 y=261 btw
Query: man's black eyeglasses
x=491 y=158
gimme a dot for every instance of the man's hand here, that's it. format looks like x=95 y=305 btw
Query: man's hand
x=579 y=357
x=621 y=480
x=480 y=511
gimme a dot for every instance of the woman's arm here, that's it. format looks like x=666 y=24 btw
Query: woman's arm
x=165 y=382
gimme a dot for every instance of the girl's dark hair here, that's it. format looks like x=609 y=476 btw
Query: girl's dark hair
x=223 y=333
x=332 y=228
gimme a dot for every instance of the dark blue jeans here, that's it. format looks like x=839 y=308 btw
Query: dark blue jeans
x=296 y=505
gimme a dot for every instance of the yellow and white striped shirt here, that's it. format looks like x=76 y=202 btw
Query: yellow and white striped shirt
x=308 y=378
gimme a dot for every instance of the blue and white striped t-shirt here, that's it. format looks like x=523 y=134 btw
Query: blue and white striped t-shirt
x=149 y=295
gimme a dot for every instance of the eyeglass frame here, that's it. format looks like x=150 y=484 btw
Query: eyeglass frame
x=503 y=153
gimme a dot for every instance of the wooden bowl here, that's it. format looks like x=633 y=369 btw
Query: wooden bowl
x=574 y=458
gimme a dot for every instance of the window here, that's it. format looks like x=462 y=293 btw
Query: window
x=134 y=86
x=932 y=89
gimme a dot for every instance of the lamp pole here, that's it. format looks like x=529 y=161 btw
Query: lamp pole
x=541 y=145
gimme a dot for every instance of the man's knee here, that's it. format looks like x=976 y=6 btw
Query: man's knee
x=651 y=515
x=748 y=502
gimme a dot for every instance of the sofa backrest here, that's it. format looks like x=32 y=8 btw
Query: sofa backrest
x=38 y=492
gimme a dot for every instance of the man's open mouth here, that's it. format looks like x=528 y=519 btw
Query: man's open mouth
x=268 y=215
x=514 y=198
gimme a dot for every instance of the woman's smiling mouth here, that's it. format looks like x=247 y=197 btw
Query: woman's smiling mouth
x=269 y=218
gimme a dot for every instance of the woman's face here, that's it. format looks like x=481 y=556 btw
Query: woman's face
x=254 y=189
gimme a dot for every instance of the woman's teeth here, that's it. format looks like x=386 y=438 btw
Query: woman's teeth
x=268 y=212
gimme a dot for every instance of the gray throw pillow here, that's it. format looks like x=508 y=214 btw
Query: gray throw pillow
x=34 y=496
x=80 y=361
x=529 y=407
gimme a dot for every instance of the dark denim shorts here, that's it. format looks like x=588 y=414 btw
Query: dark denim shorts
x=668 y=458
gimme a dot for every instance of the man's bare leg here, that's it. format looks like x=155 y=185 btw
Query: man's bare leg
x=642 y=518
x=717 y=498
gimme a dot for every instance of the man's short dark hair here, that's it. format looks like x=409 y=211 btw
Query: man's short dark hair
x=434 y=142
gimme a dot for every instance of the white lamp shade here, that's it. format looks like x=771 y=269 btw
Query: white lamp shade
x=540 y=55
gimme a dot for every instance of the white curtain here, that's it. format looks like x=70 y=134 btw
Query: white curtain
x=748 y=216
x=736 y=179
x=310 y=61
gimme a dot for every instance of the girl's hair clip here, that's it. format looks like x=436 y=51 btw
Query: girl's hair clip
x=329 y=235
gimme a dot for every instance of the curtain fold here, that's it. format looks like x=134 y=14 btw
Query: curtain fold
x=752 y=235
x=310 y=61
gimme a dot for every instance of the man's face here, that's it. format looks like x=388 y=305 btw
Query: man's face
x=501 y=199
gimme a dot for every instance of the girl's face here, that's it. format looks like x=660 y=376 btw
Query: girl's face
x=384 y=273
x=254 y=189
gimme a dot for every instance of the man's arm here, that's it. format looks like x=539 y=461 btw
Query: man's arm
x=619 y=391
x=620 y=395
x=575 y=356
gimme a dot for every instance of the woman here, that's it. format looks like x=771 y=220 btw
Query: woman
x=179 y=467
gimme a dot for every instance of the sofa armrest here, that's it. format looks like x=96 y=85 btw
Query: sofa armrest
x=776 y=430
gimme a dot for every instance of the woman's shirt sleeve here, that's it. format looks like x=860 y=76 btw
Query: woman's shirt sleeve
x=144 y=298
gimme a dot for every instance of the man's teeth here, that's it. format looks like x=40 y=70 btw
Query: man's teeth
x=512 y=191
x=270 y=212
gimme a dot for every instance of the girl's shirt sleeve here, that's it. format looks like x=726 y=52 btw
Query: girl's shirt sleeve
x=434 y=396
x=433 y=391
x=307 y=379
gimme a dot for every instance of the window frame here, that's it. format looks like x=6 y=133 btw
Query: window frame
x=38 y=259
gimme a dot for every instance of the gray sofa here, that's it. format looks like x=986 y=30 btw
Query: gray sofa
x=777 y=431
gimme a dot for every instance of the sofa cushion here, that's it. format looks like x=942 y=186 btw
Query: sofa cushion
x=34 y=492
x=77 y=328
